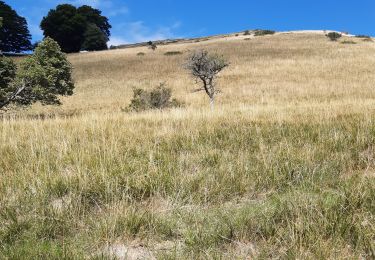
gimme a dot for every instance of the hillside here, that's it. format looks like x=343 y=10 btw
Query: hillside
x=282 y=168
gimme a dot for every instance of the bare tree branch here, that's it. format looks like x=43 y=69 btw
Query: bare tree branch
x=206 y=67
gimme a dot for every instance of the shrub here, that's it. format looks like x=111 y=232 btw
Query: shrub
x=157 y=98
x=367 y=40
x=237 y=35
x=152 y=45
x=348 y=42
x=172 y=53
x=334 y=36
x=247 y=32
x=141 y=54
x=247 y=39
x=363 y=36
x=263 y=32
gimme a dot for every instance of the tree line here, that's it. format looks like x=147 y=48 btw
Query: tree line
x=74 y=29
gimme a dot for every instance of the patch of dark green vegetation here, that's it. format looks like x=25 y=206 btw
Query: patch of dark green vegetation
x=348 y=42
x=157 y=98
x=263 y=32
x=173 y=53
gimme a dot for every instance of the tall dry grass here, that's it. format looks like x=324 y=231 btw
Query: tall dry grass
x=283 y=168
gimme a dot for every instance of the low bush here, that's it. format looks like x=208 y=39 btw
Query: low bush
x=247 y=39
x=367 y=40
x=263 y=32
x=363 y=36
x=141 y=54
x=334 y=36
x=157 y=98
x=172 y=53
x=247 y=32
x=348 y=42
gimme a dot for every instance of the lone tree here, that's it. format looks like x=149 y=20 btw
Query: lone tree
x=205 y=68
x=334 y=36
x=72 y=27
x=14 y=34
x=42 y=77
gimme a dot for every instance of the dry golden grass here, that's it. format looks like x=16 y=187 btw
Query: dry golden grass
x=294 y=70
x=282 y=167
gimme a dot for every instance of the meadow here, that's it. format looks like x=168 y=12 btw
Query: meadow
x=283 y=168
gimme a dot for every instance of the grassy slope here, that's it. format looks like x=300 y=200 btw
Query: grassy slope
x=283 y=168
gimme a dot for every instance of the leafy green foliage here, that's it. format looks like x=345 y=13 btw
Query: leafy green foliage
x=158 y=98
x=41 y=77
x=72 y=28
x=7 y=74
x=95 y=39
x=14 y=34
x=94 y=16
x=334 y=36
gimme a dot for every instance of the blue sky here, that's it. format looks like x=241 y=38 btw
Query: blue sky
x=143 y=20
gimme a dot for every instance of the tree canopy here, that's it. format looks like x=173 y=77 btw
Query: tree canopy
x=95 y=39
x=14 y=34
x=73 y=27
x=43 y=77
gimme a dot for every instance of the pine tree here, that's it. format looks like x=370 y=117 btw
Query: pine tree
x=14 y=34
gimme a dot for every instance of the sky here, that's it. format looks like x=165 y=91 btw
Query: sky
x=144 y=20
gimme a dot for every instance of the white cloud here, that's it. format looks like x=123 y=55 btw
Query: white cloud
x=118 y=11
x=138 y=32
x=115 y=41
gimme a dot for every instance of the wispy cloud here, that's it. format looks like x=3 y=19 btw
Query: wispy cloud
x=139 y=32
x=118 y=11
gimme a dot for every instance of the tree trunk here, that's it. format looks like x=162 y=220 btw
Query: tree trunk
x=12 y=97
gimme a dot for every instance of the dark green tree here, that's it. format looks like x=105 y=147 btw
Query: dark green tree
x=65 y=26
x=43 y=77
x=334 y=36
x=68 y=26
x=94 y=16
x=7 y=74
x=14 y=34
x=95 y=39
